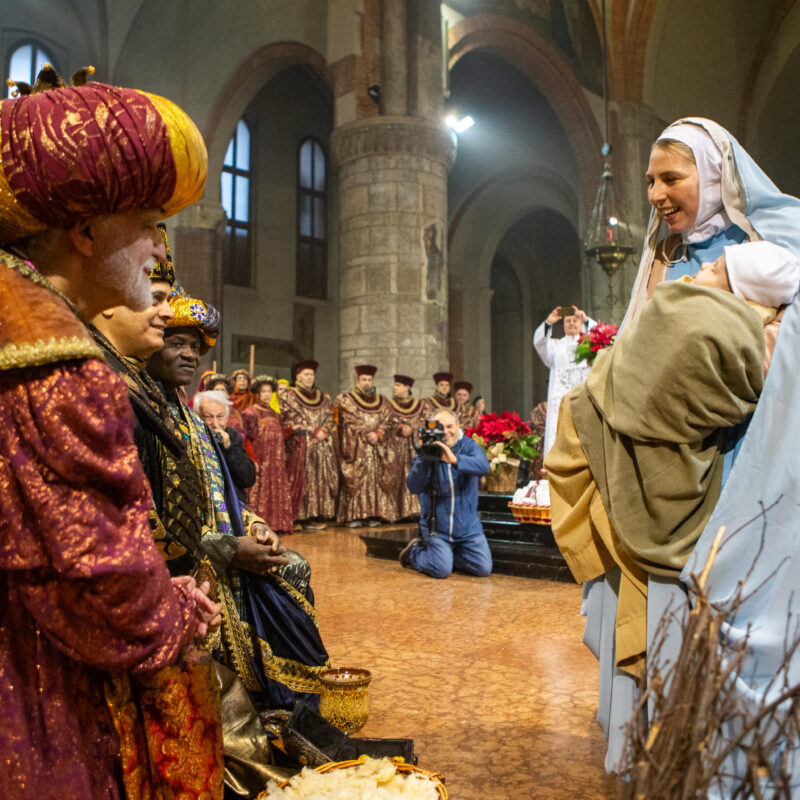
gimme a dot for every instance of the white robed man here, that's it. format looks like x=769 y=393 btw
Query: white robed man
x=558 y=356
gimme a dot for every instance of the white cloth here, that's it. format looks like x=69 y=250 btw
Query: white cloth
x=711 y=216
x=558 y=356
x=762 y=272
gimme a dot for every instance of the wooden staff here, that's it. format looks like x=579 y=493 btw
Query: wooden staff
x=252 y=359
x=213 y=366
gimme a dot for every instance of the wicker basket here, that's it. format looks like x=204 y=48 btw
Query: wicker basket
x=538 y=515
x=400 y=766
x=502 y=479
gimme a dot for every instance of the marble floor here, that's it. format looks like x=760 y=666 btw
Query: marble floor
x=488 y=676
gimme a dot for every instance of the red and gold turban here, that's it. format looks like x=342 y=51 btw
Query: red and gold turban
x=69 y=153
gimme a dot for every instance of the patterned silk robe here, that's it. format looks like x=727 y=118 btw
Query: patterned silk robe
x=411 y=412
x=318 y=479
x=468 y=417
x=436 y=403
x=269 y=496
x=369 y=474
x=269 y=635
x=84 y=592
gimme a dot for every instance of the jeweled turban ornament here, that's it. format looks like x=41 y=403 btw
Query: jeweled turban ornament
x=190 y=312
x=164 y=270
x=68 y=153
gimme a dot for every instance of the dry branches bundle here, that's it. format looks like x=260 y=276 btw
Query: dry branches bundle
x=703 y=735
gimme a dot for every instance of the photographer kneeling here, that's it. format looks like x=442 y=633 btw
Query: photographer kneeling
x=457 y=541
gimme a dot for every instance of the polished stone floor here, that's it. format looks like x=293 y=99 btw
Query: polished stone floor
x=488 y=676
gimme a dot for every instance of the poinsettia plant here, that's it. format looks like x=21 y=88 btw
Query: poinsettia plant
x=503 y=435
x=597 y=339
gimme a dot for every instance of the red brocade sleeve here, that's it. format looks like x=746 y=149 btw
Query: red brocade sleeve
x=75 y=541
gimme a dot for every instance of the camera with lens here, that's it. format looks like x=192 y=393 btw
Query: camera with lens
x=430 y=432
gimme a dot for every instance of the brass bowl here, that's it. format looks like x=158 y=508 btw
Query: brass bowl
x=344 y=700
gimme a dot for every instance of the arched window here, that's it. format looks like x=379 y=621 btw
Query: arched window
x=237 y=201
x=26 y=62
x=312 y=248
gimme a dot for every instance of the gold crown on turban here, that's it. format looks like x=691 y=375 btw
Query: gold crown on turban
x=68 y=153
x=164 y=270
x=190 y=312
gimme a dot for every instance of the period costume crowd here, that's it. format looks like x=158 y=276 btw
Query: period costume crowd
x=150 y=617
x=345 y=459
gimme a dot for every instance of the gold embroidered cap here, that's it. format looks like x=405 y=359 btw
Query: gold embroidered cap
x=191 y=312
x=164 y=270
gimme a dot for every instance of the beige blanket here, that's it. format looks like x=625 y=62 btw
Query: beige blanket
x=636 y=466
x=651 y=416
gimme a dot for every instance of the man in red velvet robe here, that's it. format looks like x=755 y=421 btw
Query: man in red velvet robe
x=241 y=396
x=86 y=602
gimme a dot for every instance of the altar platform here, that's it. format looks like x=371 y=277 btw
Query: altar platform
x=524 y=549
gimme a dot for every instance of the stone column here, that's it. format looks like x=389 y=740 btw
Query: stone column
x=392 y=175
x=394 y=72
x=196 y=236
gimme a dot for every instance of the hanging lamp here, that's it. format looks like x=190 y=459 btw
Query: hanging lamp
x=608 y=239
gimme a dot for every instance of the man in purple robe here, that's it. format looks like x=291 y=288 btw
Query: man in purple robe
x=88 y=613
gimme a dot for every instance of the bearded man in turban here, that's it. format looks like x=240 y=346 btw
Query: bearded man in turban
x=87 y=607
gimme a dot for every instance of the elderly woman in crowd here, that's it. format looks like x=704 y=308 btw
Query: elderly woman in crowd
x=708 y=193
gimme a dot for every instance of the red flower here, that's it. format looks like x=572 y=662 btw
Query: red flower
x=497 y=427
x=597 y=339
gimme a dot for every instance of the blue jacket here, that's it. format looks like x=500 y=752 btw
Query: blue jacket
x=457 y=505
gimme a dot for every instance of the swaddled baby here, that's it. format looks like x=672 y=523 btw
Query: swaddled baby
x=636 y=467
x=762 y=273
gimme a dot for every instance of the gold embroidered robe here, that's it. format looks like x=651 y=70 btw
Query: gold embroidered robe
x=409 y=412
x=312 y=411
x=368 y=474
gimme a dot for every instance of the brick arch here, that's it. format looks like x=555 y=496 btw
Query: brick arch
x=246 y=82
x=634 y=50
x=524 y=49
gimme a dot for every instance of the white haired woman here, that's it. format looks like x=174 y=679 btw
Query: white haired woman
x=214 y=407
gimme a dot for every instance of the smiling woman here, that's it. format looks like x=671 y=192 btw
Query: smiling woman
x=673 y=184
x=700 y=211
x=684 y=187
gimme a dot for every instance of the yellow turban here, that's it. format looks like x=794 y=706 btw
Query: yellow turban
x=191 y=312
